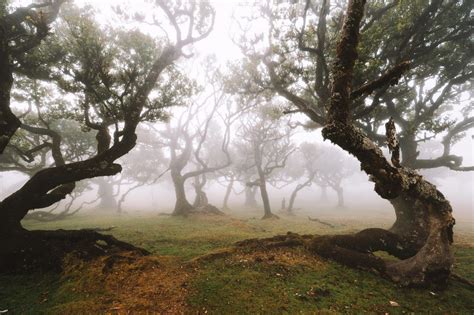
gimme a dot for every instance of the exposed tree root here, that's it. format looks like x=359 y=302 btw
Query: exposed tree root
x=31 y=251
x=355 y=251
x=287 y=240
x=322 y=222
x=467 y=282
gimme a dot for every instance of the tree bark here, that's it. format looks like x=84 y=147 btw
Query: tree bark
x=408 y=147
x=291 y=203
x=423 y=232
x=182 y=207
x=295 y=192
x=200 y=199
x=9 y=123
x=264 y=194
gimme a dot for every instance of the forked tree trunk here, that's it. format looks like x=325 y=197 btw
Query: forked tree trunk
x=201 y=199
x=423 y=232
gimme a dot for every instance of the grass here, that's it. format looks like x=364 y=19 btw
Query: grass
x=243 y=283
x=226 y=288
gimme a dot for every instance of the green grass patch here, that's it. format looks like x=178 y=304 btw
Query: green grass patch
x=224 y=286
x=228 y=288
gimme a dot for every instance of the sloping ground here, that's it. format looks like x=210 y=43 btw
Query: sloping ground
x=118 y=284
x=288 y=281
x=204 y=273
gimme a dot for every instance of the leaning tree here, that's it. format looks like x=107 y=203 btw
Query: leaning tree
x=301 y=169
x=121 y=75
x=333 y=166
x=423 y=232
x=49 y=135
x=340 y=96
x=154 y=164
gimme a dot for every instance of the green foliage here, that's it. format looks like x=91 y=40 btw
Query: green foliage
x=433 y=35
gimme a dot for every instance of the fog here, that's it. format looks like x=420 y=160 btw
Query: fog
x=359 y=195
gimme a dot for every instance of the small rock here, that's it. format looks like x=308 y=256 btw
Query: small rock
x=393 y=303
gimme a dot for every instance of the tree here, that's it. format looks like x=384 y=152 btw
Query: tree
x=422 y=235
x=423 y=231
x=114 y=83
x=152 y=167
x=267 y=144
x=302 y=169
x=186 y=141
x=332 y=168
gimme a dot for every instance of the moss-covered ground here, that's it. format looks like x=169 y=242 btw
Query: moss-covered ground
x=177 y=279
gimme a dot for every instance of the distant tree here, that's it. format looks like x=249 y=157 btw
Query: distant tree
x=267 y=144
x=186 y=142
x=153 y=165
x=301 y=168
x=332 y=168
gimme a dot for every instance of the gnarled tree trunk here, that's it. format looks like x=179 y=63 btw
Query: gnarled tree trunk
x=200 y=199
x=423 y=232
x=265 y=199
x=182 y=207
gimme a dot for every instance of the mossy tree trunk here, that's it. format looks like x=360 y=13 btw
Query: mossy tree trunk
x=423 y=232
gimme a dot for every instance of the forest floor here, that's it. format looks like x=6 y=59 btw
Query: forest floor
x=193 y=271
